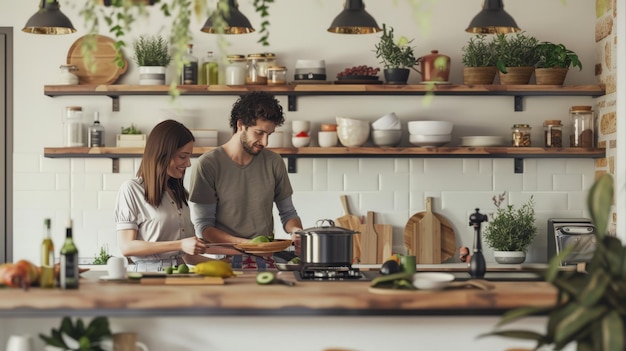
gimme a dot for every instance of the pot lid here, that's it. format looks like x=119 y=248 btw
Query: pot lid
x=328 y=229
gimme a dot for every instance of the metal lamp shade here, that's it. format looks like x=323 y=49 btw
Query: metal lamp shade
x=493 y=20
x=354 y=20
x=235 y=21
x=49 y=20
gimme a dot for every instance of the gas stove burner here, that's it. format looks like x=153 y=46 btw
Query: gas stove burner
x=332 y=274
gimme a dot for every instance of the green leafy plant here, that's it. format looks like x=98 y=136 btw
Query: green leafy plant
x=103 y=256
x=395 y=54
x=77 y=336
x=510 y=229
x=479 y=52
x=516 y=50
x=151 y=51
x=556 y=56
x=131 y=130
x=591 y=306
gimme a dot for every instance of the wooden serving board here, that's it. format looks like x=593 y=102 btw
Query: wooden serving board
x=384 y=241
x=183 y=281
x=352 y=222
x=475 y=284
x=105 y=69
x=417 y=238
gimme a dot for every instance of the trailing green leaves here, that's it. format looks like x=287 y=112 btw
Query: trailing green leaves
x=599 y=202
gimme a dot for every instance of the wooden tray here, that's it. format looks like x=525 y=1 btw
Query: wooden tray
x=261 y=248
x=105 y=70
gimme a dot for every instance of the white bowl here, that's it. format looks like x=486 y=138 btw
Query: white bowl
x=486 y=140
x=430 y=127
x=353 y=135
x=431 y=280
x=300 y=126
x=276 y=139
x=327 y=138
x=429 y=140
x=386 y=137
x=300 y=141
x=387 y=122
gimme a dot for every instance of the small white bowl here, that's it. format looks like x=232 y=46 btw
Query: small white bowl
x=386 y=137
x=430 y=127
x=429 y=140
x=300 y=141
x=431 y=280
x=276 y=139
x=300 y=126
x=327 y=138
x=389 y=121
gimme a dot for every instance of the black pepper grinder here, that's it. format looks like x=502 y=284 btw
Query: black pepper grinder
x=477 y=266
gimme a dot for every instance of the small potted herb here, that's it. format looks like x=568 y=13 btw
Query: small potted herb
x=131 y=137
x=554 y=62
x=397 y=57
x=516 y=57
x=479 y=60
x=152 y=55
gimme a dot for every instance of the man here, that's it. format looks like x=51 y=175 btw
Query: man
x=234 y=186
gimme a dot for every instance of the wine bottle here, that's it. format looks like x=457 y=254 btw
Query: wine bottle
x=46 y=279
x=190 y=68
x=69 y=261
x=96 y=132
x=209 y=71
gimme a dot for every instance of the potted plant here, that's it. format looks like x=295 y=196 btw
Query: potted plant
x=589 y=309
x=554 y=62
x=396 y=57
x=79 y=337
x=510 y=230
x=152 y=56
x=516 y=57
x=479 y=60
x=131 y=137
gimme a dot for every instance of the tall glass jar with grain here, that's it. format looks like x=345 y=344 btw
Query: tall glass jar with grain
x=553 y=133
x=582 y=133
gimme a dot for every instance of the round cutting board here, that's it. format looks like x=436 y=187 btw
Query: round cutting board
x=105 y=70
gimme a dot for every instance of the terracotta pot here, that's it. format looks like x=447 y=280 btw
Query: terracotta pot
x=550 y=76
x=516 y=75
x=479 y=75
x=435 y=67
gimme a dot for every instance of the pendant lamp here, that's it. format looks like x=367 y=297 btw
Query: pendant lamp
x=493 y=20
x=233 y=21
x=49 y=20
x=354 y=20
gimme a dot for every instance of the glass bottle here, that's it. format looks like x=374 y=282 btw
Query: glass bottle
x=521 y=135
x=235 y=70
x=68 y=278
x=209 y=71
x=46 y=279
x=74 y=126
x=553 y=133
x=189 y=75
x=582 y=127
x=96 y=132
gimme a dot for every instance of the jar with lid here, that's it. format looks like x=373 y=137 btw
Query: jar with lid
x=257 y=67
x=582 y=127
x=521 y=135
x=235 y=70
x=277 y=75
x=553 y=133
x=67 y=76
x=74 y=126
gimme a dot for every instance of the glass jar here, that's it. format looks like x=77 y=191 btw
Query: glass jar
x=582 y=127
x=553 y=133
x=257 y=67
x=277 y=75
x=67 y=76
x=235 y=70
x=521 y=135
x=74 y=126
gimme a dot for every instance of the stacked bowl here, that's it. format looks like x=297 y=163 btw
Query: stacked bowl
x=429 y=133
x=352 y=132
x=387 y=130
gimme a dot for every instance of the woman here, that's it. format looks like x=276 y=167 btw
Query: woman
x=154 y=228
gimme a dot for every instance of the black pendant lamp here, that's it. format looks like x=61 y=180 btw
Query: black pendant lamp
x=493 y=20
x=234 y=21
x=354 y=20
x=49 y=20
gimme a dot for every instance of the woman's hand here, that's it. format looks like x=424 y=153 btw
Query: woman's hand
x=192 y=246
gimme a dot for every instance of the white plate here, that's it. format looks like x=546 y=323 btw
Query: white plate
x=487 y=140
x=107 y=278
x=435 y=82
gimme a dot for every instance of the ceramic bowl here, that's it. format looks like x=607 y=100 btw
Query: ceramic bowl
x=276 y=139
x=430 y=127
x=328 y=127
x=389 y=121
x=300 y=141
x=431 y=280
x=429 y=140
x=300 y=126
x=353 y=135
x=327 y=138
x=386 y=137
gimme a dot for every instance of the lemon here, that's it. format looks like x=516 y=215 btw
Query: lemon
x=260 y=239
x=215 y=269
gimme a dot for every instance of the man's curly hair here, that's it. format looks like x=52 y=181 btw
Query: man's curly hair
x=256 y=105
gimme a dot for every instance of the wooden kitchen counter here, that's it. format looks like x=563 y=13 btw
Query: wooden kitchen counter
x=242 y=296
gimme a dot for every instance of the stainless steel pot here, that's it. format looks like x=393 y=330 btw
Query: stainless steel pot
x=326 y=245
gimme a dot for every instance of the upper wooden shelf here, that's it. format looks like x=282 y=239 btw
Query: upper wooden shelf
x=295 y=90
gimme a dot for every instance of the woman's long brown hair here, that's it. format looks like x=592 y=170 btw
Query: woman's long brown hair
x=163 y=142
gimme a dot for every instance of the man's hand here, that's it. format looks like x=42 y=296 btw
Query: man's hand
x=192 y=246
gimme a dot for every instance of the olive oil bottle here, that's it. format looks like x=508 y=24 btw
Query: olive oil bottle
x=46 y=279
x=69 y=261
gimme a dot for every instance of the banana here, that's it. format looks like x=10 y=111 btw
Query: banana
x=214 y=269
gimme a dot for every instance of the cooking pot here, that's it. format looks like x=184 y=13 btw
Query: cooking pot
x=325 y=245
x=435 y=67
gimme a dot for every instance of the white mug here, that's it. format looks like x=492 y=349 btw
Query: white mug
x=20 y=343
x=116 y=267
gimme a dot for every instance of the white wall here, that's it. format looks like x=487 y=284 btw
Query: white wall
x=85 y=189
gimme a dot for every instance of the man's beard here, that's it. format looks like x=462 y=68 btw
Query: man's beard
x=247 y=146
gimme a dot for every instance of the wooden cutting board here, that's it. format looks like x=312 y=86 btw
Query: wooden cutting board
x=369 y=241
x=385 y=241
x=352 y=222
x=432 y=241
x=105 y=70
x=183 y=281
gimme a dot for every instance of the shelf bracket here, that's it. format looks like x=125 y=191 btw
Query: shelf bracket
x=518 y=103
x=116 y=103
x=291 y=165
x=291 y=103
x=518 y=166
x=115 y=165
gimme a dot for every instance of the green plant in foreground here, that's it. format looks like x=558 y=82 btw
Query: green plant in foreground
x=78 y=337
x=151 y=51
x=511 y=229
x=591 y=306
x=395 y=54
